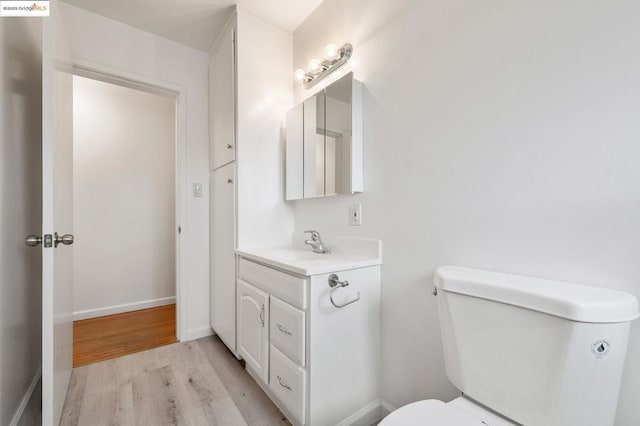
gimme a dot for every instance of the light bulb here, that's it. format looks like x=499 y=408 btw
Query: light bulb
x=299 y=75
x=331 y=52
x=314 y=65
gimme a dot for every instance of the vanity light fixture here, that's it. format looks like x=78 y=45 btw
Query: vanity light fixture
x=335 y=57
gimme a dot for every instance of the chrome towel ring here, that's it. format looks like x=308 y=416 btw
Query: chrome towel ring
x=336 y=284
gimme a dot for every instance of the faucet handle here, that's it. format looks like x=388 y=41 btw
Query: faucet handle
x=315 y=235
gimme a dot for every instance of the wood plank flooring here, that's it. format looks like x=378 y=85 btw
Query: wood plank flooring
x=193 y=383
x=102 y=338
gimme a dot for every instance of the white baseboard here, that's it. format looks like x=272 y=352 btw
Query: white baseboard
x=25 y=399
x=386 y=407
x=197 y=333
x=367 y=415
x=126 y=307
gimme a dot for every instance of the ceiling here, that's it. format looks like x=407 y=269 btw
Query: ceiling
x=197 y=23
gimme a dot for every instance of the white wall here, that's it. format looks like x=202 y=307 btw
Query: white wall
x=20 y=211
x=264 y=95
x=499 y=135
x=124 y=143
x=138 y=54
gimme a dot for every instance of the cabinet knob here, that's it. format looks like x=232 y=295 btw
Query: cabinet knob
x=229 y=180
x=229 y=146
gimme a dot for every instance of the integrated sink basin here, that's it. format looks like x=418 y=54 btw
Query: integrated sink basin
x=346 y=254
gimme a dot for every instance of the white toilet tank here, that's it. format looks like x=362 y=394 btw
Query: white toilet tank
x=540 y=352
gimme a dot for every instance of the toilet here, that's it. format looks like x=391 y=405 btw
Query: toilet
x=526 y=351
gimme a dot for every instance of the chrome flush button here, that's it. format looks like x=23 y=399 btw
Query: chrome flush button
x=600 y=348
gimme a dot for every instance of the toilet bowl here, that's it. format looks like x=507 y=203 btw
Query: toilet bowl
x=432 y=412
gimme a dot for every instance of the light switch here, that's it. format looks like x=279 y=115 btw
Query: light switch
x=355 y=215
x=197 y=190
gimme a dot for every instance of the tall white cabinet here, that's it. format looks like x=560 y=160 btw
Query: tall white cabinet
x=247 y=207
x=222 y=186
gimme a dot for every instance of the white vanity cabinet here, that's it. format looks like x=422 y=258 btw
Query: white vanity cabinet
x=318 y=362
x=244 y=138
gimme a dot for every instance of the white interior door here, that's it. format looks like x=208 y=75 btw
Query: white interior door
x=57 y=207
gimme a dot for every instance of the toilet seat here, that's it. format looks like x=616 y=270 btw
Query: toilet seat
x=432 y=412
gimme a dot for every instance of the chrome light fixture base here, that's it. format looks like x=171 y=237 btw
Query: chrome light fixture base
x=328 y=66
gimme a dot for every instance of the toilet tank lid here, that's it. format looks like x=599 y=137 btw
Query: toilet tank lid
x=576 y=302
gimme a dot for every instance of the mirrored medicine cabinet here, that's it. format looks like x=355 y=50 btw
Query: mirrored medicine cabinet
x=324 y=142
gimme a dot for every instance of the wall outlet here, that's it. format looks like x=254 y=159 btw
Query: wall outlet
x=197 y=190
x=355 y=215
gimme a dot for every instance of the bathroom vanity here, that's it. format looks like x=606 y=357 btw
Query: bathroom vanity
x=309 y=330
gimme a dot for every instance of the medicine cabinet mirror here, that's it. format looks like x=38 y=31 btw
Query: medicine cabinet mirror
x=324 y=142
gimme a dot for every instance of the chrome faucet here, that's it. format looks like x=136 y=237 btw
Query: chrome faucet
x=316 y=243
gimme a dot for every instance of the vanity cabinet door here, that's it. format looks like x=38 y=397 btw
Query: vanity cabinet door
x=253 y=328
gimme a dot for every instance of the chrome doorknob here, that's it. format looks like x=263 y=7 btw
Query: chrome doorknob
x=33 y=240
x=66 y=239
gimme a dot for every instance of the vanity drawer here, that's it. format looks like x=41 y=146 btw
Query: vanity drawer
x=288 y=383
x=288 y=330
x=287 y=287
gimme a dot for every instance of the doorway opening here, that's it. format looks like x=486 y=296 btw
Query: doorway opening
x=125 y=208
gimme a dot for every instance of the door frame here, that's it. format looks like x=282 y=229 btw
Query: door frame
x=89 y=69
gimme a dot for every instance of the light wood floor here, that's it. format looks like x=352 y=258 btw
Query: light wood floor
x=102 y=338
x=193 y=383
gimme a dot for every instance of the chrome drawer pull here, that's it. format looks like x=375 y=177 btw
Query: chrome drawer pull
x=284 y=385
x=262 y=315
x=284 y=330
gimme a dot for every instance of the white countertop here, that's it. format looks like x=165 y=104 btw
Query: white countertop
x=347 y=254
